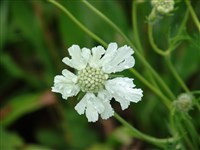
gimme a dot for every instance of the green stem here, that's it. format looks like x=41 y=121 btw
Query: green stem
x=78 y=22
x=192 y=131
x=197 y=102
x=176 y=75
x=142 y=59
x=193 y=14
x=137 y=38
x=168 y=52
x=135 y=26
x=195 y=92
x=183 y=24
x=170 y=49
x=165 y=100
x=169 y=63
x=183 y=134
x=153 y=44
x=136 y=133
x=159 y=79
x=152 y=79
x=107 y=20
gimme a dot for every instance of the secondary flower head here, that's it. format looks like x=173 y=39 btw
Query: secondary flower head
x=94 y=70
x=184 y=102
x=163 y=6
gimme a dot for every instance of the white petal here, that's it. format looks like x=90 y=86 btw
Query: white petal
x=120 y=59
x=69 y=76
x=108 y=111
x=79 y=57
x=91 y=112
x=123 y=92
x=69 y=91
x=135 y=95
x=91 y=105
x=86 y=54
x=105 y=97
x=129 y=62
x=97 y=103
x=66 y=85
x=109 y=54
x=97 y=53
x=81 y=106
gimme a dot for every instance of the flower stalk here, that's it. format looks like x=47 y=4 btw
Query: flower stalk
x=193 y=14
x=136 y=133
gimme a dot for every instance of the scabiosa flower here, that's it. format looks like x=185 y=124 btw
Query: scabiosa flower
x=163 y=6
x=94 y=69
x=160 y=8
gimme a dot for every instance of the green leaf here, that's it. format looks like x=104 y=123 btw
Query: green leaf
x=21 y=105
x=188 y=62
x=14 y=70
x=4 y=16
x=9 y=141
x=11 y=66
x=51 y=138
x=100 y=147
x=77 y=128
x=69 y=31
x=36 y=147
x=28 y=25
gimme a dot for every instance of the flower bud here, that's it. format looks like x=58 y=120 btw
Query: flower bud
x=184 y=102
x=163 y=6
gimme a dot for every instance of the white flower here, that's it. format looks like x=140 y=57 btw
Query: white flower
x=163 y=6
x=94 y=68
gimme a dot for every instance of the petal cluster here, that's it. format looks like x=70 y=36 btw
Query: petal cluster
x=94 y=67
x=163 y=6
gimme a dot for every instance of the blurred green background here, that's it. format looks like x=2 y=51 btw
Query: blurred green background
x=34 y=38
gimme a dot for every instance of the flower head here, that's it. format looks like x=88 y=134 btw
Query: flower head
x=163 y=6
x=160 y=8
x=184 y=102
x=94 y=68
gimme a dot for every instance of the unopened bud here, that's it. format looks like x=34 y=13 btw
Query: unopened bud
x=163 y=6
x=183 y=102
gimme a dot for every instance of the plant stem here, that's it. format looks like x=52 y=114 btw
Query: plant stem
x=182 y=133
x=192 y=131
x=159 y=79
x=176 y=75
x=154 y=46
x=136 y=133
x=167 y=53
x=166 y=101
x=107 y=20
x=78 y=22
x=135 y=26
x=195 y=92
x=193 y=14
x=137 y=38
x=183 y=23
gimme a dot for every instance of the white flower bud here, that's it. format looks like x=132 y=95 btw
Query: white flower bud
x=163 y=6
x=184 y=102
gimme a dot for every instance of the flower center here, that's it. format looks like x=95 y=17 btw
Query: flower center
x=91 y=79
